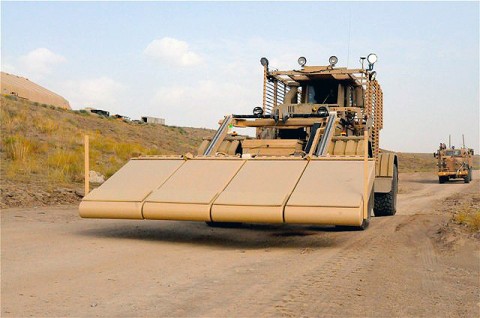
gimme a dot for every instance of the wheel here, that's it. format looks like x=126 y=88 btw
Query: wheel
x=222 y=224
x=386 y=203
x=442 y=179
x=470 y=174
x=468 y=177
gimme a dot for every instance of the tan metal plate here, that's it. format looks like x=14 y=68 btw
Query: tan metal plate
x=331 y=187
x=271 y=147
x=122 y=195
x=110 y=210
x=135 y=180
x=324 y=215
x=189 y=193
x=258 y=192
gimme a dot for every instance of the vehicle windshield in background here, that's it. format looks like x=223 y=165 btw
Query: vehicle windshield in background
x=453 y=153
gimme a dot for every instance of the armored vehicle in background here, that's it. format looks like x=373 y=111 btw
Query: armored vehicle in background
x=454 y=163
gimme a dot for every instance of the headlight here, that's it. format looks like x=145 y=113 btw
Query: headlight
x=333 y=60
x=322 y=111
x=258 y=111
x=302 y=61
x=372 y=58
x=264 y=61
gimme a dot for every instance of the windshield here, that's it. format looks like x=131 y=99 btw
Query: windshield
x=453 y=153
x=322 y=92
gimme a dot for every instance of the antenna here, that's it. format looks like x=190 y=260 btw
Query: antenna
x=463 y=139
x=449 y=142
x=349 y=32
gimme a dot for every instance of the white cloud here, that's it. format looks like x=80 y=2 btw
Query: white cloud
x=172 y=51
x=102 y=92
x=202 y=104
x=8 y=68
x=40 y=62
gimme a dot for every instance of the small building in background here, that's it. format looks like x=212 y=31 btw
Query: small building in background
x=153 y=120
x=121 y=117
x=99 y=112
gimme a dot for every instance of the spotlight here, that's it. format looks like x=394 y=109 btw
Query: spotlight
x=258 y=111
x=372 y=58
x=264 y=62
x=333 y=60
x=302 y=61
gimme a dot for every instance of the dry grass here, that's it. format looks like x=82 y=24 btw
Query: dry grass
x=468 y=214
x=12 y=119
x=17 y=147
x=46 y=125
x=65 y=165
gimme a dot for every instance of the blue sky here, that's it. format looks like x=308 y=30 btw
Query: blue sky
x=191 y=63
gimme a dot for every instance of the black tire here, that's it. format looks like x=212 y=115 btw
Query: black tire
x=386 y=203
x=470 y=174
x=467 y=177
x=223 y=224
x=442 y=179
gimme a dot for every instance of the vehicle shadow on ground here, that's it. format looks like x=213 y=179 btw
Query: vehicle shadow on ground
x=426 y=181
x=435 y=181
x=244 y=236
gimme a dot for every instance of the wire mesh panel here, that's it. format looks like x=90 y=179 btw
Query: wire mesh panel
x=374 y=110
x=274 y=94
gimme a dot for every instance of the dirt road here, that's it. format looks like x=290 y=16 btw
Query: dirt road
x=56 y=264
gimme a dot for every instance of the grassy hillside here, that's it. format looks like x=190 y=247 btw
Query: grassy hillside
x=42 y=146
x=416 y=162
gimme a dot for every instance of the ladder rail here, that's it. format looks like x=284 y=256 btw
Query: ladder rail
x=220 y=134
x=327 y=135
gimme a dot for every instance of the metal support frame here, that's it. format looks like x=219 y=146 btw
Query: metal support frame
x=365 y=174
x=327 y=135
x=265 y=71
x=219 y=136
x=374 y=111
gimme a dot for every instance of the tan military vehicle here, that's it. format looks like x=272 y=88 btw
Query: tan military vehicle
x=312 y=157
x=454 y=163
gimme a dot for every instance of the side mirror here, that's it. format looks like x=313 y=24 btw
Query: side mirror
x=435 y=155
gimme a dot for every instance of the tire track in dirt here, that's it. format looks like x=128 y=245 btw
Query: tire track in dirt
x=327 y=287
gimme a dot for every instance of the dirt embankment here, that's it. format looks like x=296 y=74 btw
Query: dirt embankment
x=56 y=264
x=37 y=195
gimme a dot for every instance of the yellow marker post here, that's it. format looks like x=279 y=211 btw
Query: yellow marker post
x=87 y=165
